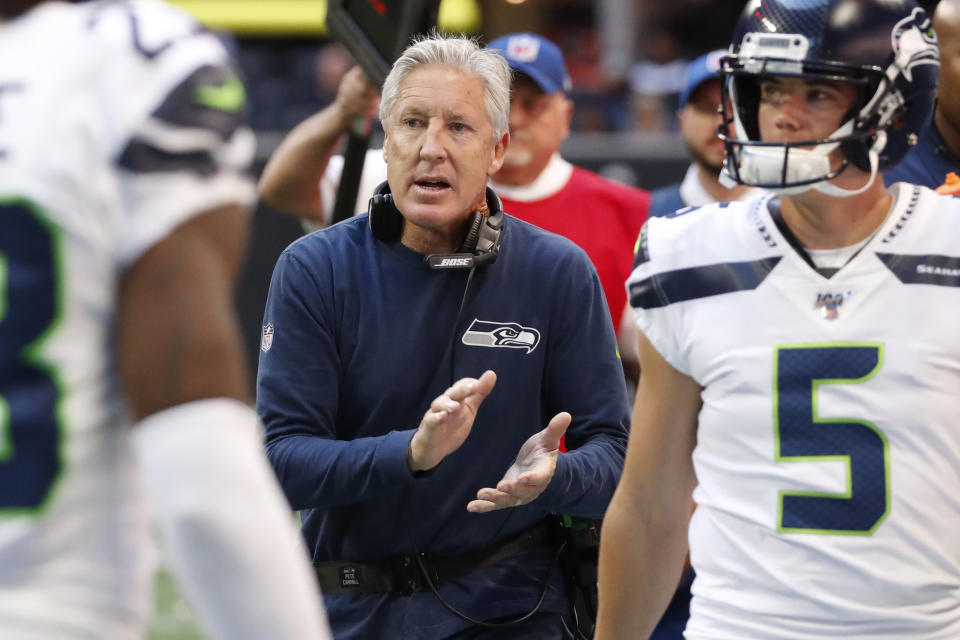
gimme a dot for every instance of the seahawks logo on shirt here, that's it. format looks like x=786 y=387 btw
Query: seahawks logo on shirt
x=510 y=335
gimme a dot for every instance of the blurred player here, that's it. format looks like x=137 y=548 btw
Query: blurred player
x=124 y=205
x=800 y=356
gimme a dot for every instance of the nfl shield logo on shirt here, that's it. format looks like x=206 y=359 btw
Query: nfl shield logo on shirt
x=266 y=340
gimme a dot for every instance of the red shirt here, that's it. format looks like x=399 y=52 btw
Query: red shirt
x=601 y=216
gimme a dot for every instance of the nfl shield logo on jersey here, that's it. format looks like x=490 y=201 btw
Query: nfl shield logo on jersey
x=266 y=340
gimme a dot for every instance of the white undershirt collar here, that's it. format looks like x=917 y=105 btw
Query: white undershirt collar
x=551 y=180
x=836 y=258
x=693 y=193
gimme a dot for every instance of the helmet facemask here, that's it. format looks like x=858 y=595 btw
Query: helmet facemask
x=796 y=166
x=890 y=56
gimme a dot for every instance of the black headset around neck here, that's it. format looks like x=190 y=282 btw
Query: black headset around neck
x=480 y=246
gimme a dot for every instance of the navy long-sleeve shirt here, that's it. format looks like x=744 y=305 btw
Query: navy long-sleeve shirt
x=362 y=337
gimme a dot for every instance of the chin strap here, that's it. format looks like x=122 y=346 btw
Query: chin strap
x=794 y=168
x=874 y=154
x=765 y=165
x=726 y=180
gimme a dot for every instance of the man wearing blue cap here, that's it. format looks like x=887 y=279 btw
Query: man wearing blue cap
x=535 y=183
x=699 y=117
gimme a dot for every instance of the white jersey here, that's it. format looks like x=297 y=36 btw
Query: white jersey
x=118 y=121
x=828 y=446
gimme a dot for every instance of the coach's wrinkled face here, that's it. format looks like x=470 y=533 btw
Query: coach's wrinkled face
x=440 y=150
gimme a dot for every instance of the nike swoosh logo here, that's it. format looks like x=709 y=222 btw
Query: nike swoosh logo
x=230 y=96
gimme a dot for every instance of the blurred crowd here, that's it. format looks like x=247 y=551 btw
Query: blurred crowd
x=291 y=78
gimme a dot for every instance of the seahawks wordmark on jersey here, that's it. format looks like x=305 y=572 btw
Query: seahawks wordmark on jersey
x=118 y=121
x=828 y=448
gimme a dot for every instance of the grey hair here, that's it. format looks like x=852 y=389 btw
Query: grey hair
x=460 y=53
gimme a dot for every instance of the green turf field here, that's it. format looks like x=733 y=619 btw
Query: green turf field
x=173 y=619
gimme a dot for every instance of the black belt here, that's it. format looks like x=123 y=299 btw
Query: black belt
x=402 y=574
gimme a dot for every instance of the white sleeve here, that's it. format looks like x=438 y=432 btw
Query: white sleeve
x=179 y=138
x=227 y=529
x=658 y=321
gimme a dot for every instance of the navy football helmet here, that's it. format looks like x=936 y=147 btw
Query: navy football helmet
x=885 y=48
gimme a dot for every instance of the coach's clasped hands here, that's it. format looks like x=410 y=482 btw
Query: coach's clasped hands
x=446 y=425
x=530 y=474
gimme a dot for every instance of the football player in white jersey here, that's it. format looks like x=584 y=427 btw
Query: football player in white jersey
x=124 y=203
x=800 y=358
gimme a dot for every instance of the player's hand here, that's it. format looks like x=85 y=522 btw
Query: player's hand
x=356 y=97
x=448 y=421
x=530 y=474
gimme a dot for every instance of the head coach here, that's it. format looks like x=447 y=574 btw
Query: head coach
x=418 y=367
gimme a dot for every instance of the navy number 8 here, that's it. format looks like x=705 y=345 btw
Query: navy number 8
x=30 y=295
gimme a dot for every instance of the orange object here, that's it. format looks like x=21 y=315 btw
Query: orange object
x=951 y=187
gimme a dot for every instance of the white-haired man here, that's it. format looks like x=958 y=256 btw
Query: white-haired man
x=534 y=181
x=431 y=525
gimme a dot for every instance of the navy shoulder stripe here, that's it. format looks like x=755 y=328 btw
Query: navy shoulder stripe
x=943 y=271
x=680 y=212
x=142 y=157
x=692 y=283
x=211 y=98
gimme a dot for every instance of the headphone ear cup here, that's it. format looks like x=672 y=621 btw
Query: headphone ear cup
x=386 y=223
x=473 y=234
x=495 y=207
x=494 y=204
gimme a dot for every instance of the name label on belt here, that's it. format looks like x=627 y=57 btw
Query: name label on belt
x=349 y=576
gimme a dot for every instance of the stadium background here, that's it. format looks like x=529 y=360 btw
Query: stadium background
x=626 y=59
